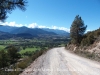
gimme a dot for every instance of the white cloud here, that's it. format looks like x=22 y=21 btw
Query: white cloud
x=54 y=27
x=42 y=26
x=65 y=29
x=33 y=25
x=60 y=28
x=88 y=30
x=11 y=24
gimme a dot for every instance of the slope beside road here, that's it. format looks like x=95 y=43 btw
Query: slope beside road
x=59 y=61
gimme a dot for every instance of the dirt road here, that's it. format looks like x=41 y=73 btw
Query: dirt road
x=59 y=61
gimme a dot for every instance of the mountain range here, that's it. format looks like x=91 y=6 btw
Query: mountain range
x=9 y=31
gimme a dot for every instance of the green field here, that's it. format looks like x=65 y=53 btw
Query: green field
x=31 y=45
x=2 y=47
x=29 y=49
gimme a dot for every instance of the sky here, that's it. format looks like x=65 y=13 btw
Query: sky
x=56 y=14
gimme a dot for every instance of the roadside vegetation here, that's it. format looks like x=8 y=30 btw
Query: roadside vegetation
x=81 y=42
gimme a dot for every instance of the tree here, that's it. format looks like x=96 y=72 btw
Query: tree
x=6 y=6
x=77 y=30
x=3 y=59
x=13 y=54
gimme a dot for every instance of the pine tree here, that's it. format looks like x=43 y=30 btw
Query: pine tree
x=6 y=6
x=77 y=30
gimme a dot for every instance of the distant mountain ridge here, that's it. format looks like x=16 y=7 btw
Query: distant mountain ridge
x=34 y=32
x=31 y=32
x=7 y=28
x=59 y=32
x=5 y=35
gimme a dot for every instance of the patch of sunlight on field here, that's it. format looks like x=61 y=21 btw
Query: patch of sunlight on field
x=29 y=49
x=2 y=47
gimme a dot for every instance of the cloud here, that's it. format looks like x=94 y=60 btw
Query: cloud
x=87 y=31
x=65 y=29
x=54 y=27
x=11 y=24
x=33 y=25
x=60 y=28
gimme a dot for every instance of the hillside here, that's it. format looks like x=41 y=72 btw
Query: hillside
x=89 y=46
x=5 y=35
x=7 y=28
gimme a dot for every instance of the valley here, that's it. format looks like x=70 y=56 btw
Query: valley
x=28 y=48
x=51 y=37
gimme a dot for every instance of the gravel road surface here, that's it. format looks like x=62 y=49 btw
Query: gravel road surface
x=59 y=61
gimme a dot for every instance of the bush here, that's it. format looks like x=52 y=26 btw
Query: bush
x=88 y=40
x=24 y=63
